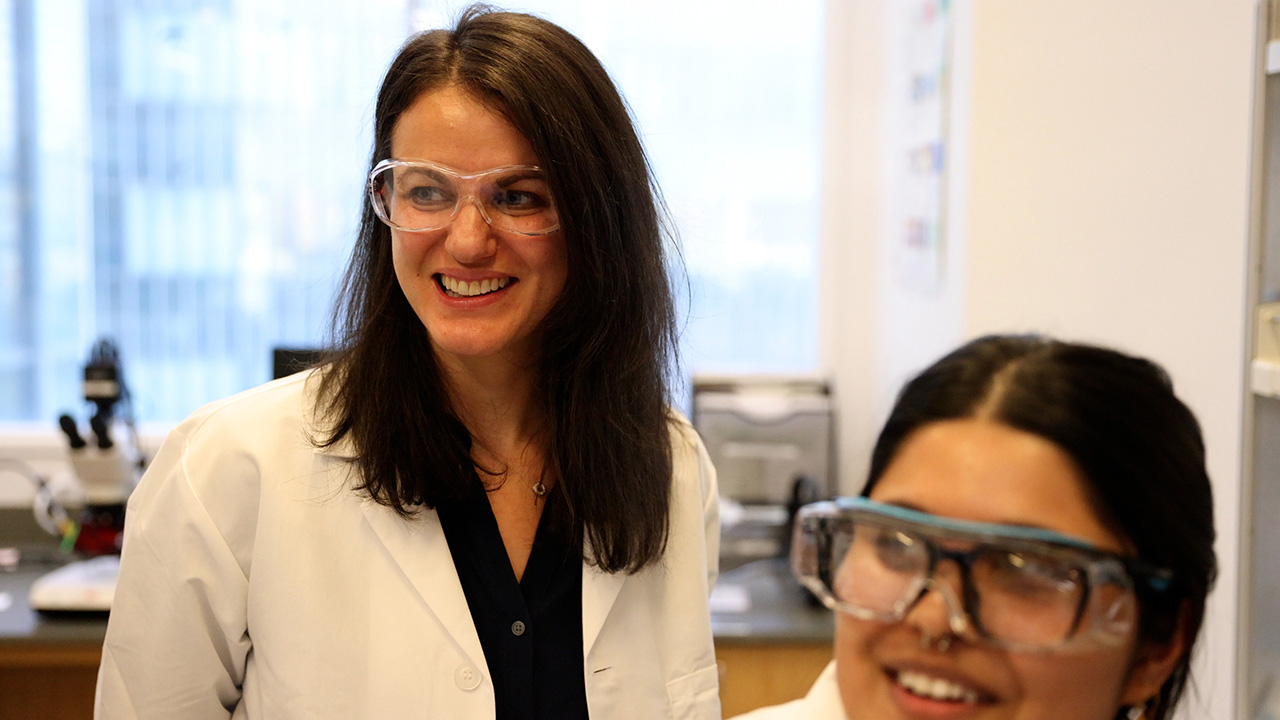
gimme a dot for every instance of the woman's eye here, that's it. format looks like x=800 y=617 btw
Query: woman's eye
x=897 y=551
x=1028 y=572
x=510 y=200
x=427 y=195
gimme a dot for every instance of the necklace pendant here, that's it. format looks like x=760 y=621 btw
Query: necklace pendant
x=539 y=489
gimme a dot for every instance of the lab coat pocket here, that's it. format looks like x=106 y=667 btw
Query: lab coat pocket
x=696 y=696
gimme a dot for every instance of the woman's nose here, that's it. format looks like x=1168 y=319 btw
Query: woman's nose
x=470 y=239
x=940 y=610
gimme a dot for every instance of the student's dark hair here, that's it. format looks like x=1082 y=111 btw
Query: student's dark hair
x=607 y=344
x=1137 y=445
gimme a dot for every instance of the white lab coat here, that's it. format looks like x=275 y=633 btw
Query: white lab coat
x=821 y=703
x=255 y=584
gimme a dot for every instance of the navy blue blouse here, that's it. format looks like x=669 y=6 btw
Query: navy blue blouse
x=531 y=630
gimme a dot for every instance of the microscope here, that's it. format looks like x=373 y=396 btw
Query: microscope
x=107 y=464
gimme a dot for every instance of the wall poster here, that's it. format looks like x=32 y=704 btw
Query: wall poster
x=919 y=87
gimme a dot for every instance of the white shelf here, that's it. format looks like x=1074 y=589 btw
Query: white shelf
x=1264 y=375
x=1265 y=378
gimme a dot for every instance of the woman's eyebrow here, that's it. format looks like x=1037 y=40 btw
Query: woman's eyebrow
x=416 y=170
x=517 y=175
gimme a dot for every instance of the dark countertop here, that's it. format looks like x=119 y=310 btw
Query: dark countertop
x=38 y=554
x=756 y=603
x=772 y=608
x=778 y=612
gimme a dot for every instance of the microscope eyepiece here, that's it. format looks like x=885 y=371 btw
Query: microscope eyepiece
x=68 y=425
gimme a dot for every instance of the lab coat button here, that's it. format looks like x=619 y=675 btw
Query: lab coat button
x=517 y=628
x=467 y=677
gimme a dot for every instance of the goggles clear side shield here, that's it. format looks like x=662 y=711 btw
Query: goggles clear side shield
x=1020 y=588
x=420 y=196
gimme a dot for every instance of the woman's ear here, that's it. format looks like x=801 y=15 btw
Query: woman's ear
x=1153 y=663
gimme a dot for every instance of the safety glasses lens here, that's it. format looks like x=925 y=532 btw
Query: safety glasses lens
x=1027 y=598
x=421 y=197
x=882 y=570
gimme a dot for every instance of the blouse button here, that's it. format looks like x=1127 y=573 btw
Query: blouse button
x=517 y=628
x=467 y=677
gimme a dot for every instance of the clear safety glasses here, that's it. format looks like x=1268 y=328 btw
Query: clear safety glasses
x=1020 y=588
x=419 y=196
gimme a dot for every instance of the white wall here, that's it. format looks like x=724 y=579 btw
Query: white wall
x=851 y=197
x=1100 y=191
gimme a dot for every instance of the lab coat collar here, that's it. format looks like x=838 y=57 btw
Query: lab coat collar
x=420 y=550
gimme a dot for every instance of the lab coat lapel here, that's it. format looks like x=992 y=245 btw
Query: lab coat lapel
x=599 y=591
x=420 y=550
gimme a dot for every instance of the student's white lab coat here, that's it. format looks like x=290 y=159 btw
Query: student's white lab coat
x=255 y=584
x=821 y=703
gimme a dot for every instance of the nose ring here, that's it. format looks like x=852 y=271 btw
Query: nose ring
x=940 y=644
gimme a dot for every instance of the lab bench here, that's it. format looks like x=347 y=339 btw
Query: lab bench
x=771 y=642
x=48 y=663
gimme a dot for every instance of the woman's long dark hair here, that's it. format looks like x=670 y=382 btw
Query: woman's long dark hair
x=1136 y=444
x=609 y=341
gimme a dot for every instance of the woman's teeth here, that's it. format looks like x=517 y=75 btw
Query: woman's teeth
x=935 y=688
x=454 y=287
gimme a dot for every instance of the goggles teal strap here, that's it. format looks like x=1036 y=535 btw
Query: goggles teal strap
x=1012 y=532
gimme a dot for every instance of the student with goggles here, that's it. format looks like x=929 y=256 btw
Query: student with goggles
x=1034 y=542
x=483 y=506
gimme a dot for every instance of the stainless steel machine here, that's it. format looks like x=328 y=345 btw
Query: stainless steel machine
x=770 y=438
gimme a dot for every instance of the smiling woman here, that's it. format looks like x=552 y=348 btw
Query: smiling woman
x=1035 y=542
x=483 y=506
